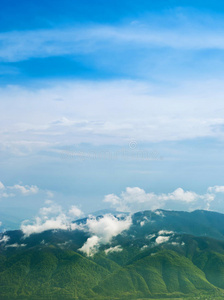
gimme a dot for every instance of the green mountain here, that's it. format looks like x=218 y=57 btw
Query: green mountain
x=162 y=255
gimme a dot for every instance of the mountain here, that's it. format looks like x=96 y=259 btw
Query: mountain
x=163 y=254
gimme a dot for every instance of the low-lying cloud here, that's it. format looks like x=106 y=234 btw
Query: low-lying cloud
x=117 y=248
x=103 y=230
x=51 y=217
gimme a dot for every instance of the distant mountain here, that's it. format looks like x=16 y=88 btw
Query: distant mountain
x=107 y=211
x=163 y=254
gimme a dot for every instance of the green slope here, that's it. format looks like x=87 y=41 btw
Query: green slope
x=163 y=273
x=49 y=272
x=186 y=265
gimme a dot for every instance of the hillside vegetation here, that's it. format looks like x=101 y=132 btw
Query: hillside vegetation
x=184 y=264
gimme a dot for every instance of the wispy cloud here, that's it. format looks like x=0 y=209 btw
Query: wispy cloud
x=84 y=40
x=183 y=112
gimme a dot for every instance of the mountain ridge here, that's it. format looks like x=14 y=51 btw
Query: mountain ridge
x=161 y=254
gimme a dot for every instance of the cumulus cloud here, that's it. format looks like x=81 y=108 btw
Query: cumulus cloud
x=108 y=226
x=17 y=189
x=180 y=195
x=130 y=197
x=51 y=209
x=75 y=211
x=40 y=225
x=91 y=245
x=216 y=189
x=163 y=236
x=25 y=190
x=135 y=198
x=51 y=217
x=103 y=230
x=162 y=239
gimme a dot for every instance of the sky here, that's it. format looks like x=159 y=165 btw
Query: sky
x=111 y=104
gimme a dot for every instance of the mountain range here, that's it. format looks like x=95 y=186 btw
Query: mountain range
x=162 y=254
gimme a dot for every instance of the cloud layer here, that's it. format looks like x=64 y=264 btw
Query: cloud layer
x=146 y=115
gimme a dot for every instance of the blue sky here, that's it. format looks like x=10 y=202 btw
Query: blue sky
x=98 y=96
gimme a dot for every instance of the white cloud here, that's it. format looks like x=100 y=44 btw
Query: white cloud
x=4 y=239
x=216 y=189
x=40 y=225
x=159 y=213
x=51 y=209
x=103 y=230
x=136 y=199
x=6 y=195
x=144 y=247
x=91 y=245
x=166 y=232
x=26 y=190
x=50 y=217
x=180 y=195
x=130 y=197
x=175 y=244
x=163 y=236
x=75 y=212
x=162 y=239
x=183 y=118
x=16 y=245
x=117 y=248
x=20 y=190
x=83 y=40
x=108 y=226
x=144 y=221
x=150 y=236
x=112 y=198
